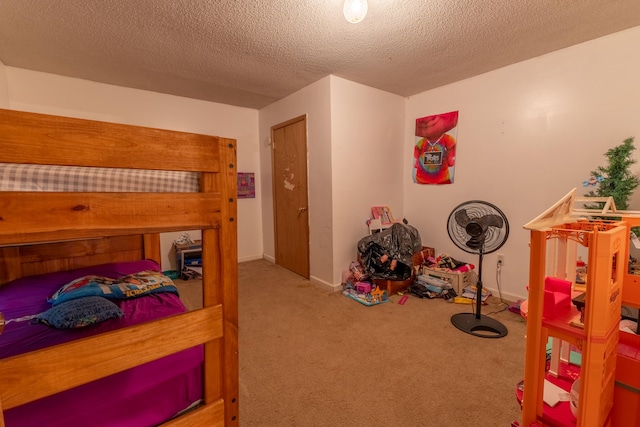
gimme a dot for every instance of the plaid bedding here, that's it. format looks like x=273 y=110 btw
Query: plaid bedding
x=25 y=177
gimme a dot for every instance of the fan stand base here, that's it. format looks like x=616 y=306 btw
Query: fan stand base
x=484 y=327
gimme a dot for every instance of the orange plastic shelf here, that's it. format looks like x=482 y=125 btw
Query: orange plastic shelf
x=560 y=415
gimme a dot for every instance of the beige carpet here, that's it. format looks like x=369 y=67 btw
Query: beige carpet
x=309 y=357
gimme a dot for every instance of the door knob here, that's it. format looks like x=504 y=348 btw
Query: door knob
x=302 y=210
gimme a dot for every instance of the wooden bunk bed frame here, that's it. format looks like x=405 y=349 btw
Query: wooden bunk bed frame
x=43 y=232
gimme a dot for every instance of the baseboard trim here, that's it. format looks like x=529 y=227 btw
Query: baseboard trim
x=269 y=258
x=249 y=258
x=314 y=280
x=325 y=285
x=508 y=298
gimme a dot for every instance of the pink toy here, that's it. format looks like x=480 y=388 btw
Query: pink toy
x=464 y=268
x=557 y=297
x=363 y=287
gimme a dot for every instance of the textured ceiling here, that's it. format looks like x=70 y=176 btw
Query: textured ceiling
x=254 y=52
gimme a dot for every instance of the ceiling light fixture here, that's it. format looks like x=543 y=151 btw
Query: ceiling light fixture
x=355 y=10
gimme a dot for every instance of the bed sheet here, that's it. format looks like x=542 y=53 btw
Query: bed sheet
x=141 y=396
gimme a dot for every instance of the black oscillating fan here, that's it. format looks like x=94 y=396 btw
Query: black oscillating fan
x=479 y=228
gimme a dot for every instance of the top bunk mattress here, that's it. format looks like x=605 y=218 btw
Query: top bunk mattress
x=29 y=177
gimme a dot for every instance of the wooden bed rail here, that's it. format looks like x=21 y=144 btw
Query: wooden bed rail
x=210 y=415
x=26 y=217
x=41 y=373
x=31 y=260
x=29 y=138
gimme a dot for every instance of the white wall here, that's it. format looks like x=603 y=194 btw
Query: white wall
x=527 y=135
x=52 y=94
x=351 y=130
x=314 y=101
x=367 y=154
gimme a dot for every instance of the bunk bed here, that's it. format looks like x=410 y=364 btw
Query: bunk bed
x=51 y=237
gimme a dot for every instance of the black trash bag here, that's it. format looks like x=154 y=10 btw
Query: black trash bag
x=388 y=254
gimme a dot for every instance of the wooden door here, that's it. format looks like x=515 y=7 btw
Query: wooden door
x=290 y=199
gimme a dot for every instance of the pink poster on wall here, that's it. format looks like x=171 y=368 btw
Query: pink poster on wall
x=435 y=151
x=246 y=185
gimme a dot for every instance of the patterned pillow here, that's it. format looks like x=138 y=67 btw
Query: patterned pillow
x=80 y=312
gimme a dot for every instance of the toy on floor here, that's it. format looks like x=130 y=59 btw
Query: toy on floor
x=363 y=287
x=376 y=294
x=365 y=293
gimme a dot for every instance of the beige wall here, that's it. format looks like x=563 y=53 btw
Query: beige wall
x=527 y=135
x=314 y=101
x=352 y=130
x=52 y=94
x=367 y=154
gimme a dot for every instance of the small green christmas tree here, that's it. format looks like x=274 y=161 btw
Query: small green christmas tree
x=615 y=179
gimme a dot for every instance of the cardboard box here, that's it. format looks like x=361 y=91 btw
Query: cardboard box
x=457 y=280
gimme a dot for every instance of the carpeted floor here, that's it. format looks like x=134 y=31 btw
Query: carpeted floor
x=309 y=357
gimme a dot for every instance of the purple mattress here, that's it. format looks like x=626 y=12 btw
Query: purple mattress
x=142 y=396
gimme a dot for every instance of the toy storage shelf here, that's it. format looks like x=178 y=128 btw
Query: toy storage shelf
x=626 y=397
x=560 y=414
x=609 y=356
x=597 y=339
x=189 y=254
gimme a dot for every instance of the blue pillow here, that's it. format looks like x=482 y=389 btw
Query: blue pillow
x=80 y=312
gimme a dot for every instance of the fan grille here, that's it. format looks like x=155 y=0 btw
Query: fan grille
x=478 y=225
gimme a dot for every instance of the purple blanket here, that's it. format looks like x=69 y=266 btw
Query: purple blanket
x=175 y=381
